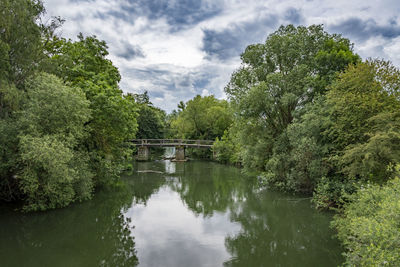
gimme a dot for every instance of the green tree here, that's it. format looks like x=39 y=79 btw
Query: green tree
x=374 y=160
x=56 y=137
x=271 y=90
x=20 y=39
x=53 y=170
x=151 y=120
x=114 y=117
x=226 y=148
x=202 y=118
x=361 y=92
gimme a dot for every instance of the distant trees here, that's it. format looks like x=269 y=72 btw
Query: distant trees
x=151 y=120
x=202 y=118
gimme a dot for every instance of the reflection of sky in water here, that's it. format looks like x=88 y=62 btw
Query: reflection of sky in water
x=167 y=233
x=170 y=167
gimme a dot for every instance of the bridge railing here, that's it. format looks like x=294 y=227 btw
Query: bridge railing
x=160 y=142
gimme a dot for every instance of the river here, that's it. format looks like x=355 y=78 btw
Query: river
x=174 y=214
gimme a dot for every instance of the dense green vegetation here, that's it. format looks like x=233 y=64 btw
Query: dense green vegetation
x=63 y=121
x=203 y=118
x=151 y=120
x=311 y=117
x=369 y=227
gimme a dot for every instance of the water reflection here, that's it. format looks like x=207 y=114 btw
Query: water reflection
x=205 y=188
x=174 y=214
x=280 y=231
x=94 y=233
x=225 y=217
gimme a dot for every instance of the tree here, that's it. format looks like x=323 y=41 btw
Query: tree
x=369 y=226
x=364 y=104
x=151 y=120
x=361 y=92
x=53 y=170
x=271 y=90
x=20 y=39
x=58 y=138
x=84 y=64
x=202 y=118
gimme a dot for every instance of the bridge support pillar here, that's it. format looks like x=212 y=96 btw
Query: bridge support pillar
x=179 y=153
x=143 y=153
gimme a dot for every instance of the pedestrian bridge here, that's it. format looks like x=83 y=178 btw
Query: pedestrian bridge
x=179 y=144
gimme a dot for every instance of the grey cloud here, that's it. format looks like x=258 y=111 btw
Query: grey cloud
x=231 y=42
x=203 y=80
x=293 y=15
x=156 y=94
x=164 y=83
x=179 y=14
x=363 y=30
x=129 y=51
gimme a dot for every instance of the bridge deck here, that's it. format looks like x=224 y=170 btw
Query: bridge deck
x=173 y=143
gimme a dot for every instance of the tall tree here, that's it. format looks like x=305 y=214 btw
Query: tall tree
x=276 y=81
x=84 y=64
x=20 y=39
x=364 y=103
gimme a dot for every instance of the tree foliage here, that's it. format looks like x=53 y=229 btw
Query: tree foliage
x=151 y=120
x=20 y=39
x=63 y=133
x=271 y=91
x=53 y=171
x=202 y=118
x=369 y=226
x=114 y=116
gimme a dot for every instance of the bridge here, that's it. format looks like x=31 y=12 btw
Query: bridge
x=179 y=144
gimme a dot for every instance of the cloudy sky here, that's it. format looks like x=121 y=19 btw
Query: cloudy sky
x=176 y=49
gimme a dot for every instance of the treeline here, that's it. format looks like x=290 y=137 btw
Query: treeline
x=64 y=121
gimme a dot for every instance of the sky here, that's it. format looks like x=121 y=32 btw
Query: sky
x=176 y=49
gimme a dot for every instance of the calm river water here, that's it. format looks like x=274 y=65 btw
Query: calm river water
x=174 y=214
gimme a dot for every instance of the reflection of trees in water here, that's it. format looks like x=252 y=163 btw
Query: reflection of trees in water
x=94 y=233
x=279 y=232
x=144 y=184
x=207 y=187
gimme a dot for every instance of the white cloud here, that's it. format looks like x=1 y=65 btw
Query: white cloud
x=175 y=66
x=205 y=92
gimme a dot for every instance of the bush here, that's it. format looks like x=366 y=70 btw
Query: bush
x=50 y=178
x=333 y=192
x=370 y=226
x=227 y=149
